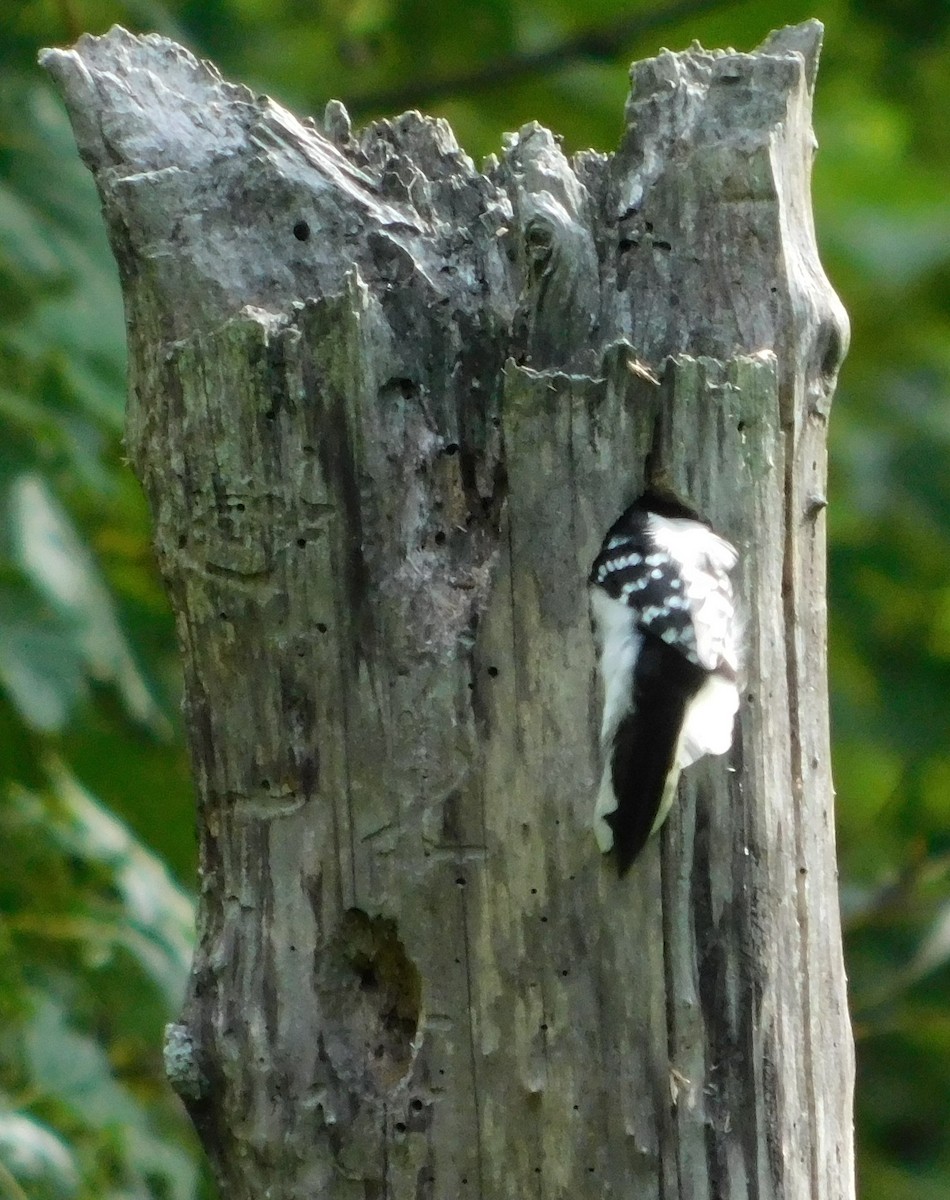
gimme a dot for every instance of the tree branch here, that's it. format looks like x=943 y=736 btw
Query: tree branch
x=601 y=42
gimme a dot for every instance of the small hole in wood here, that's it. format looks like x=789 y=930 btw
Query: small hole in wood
x=400 y=1127
x=301 y=231
x=440 y=538
x=270 y=415
x=493 y=672
x=450 y=449
x=406 y=388
x=416 y=1105
x=321 y=628
x=301 y=542
x=833 y=351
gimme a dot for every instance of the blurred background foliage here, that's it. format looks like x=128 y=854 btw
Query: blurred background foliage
x=95 y=810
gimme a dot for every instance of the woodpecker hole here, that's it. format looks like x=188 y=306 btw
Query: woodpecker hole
x=371 y=997
x=829 y=338
x=301 y=231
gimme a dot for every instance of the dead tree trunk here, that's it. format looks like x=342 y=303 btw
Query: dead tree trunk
x=384 y=408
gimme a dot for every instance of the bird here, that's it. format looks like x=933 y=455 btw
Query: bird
x=668 y=633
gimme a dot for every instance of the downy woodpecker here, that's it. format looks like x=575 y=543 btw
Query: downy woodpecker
x=668 y=636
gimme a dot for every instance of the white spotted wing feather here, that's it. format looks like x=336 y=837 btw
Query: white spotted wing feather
x=705 y=561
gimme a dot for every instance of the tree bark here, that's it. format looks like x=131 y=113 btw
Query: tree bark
x=384 y=408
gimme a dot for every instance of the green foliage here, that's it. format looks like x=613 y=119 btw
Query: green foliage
x=94 y=929
x=95 y=935
x=97 y=941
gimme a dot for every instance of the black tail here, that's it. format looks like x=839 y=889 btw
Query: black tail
x=644 y=748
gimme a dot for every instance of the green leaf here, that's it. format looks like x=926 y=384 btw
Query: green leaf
x=71 y=1068
x=51 y=554
x=36 y=1157
x=157 y=916
x=41 y=672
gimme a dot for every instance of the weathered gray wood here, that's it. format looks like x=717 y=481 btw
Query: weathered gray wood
x=384 y=408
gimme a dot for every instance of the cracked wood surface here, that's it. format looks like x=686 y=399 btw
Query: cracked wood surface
x=384 y=407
